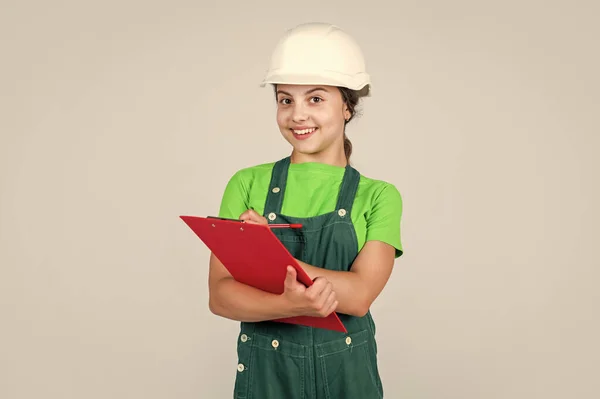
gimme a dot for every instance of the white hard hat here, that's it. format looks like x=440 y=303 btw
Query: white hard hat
x=318 y=53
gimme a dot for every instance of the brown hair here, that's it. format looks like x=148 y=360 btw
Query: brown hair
x=350 y=98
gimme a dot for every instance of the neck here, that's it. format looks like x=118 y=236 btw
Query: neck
x=335 y=157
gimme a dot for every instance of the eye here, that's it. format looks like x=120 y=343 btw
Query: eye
x=283 y=101
x=316 y=99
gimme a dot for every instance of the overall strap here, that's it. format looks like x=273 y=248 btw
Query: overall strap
x=348 y=190
x=276 y=191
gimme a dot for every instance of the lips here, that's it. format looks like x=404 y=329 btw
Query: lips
x=304 y=130
x=304 y=133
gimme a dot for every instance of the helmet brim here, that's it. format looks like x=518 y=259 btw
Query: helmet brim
x=358 y=82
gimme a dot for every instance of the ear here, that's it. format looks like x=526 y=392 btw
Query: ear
x=347 y=114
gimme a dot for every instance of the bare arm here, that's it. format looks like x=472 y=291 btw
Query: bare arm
x=237 y=301
x=358 y=288
x=233 y=300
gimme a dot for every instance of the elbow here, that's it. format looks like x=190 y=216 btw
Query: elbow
x=362 y=311
x=360 y=308
x=215 y=302
x=214 y=305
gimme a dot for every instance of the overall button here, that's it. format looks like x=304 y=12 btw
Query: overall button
x=342 y=212
x=240 y=367
x=244 y=338
x=275 y=343
x=272 y=216
x=348 y=340
x=276 y=190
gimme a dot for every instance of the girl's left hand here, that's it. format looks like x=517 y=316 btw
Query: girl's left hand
x=251 y=216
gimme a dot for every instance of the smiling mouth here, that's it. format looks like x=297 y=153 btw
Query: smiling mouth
x=303 y=134
x=304 y=131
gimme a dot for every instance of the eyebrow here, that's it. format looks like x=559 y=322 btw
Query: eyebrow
x=307 y=92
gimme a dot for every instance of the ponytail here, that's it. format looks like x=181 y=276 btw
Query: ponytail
x=347 y=147
x=350 y=98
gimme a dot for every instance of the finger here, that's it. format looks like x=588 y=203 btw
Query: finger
x=290 y=277
x=331 y=298
x=324 y=303
x=332 y=308
x=251 y=216
x=290 y=274
x=322 y=299
x=318 y=286
x=251 y=213
x=330 y=305
x=318 y=302
x=245 y=215
x=313 y=294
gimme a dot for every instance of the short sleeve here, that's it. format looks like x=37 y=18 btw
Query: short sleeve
x=234 y=201
x=383 y=220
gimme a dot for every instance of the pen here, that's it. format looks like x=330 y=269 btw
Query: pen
x=284 y=226
x=273 y=226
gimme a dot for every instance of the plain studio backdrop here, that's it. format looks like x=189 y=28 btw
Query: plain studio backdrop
x=119 y=116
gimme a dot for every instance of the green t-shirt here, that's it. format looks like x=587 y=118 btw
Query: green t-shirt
x=311 y=190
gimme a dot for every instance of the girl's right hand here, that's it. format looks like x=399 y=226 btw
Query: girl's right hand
x=317 y=300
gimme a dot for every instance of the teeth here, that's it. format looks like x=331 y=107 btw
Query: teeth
x=305 y=131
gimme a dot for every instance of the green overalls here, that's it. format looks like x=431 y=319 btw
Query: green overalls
x=286 y=361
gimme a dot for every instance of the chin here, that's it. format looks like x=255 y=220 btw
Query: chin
x=311 y=146
x=306 y=149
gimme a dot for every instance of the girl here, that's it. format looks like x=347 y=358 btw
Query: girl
x=349 y=240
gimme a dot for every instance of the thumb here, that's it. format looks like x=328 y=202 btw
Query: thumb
x=290 y=277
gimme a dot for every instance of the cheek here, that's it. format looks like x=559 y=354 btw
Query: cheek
x=282 y=117
x=328 y=120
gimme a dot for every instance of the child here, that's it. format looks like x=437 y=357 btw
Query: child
x=349 y=240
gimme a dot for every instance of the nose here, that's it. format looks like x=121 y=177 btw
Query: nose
x=299 y=113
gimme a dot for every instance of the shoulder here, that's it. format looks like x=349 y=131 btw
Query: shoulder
x=253 y=170
x=245 y=176
x=382 y=212
x=380 y=192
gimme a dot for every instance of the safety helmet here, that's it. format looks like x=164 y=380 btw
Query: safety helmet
x=318 y=53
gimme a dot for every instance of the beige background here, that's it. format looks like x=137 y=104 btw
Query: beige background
x=117 y=117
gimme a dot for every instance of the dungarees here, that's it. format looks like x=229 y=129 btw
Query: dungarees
x=285 y=361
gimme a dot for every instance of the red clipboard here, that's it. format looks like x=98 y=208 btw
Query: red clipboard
x=255 y=256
